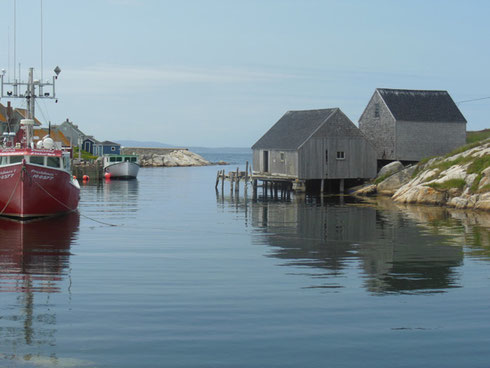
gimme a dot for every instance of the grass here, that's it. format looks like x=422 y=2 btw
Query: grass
x=85 y=155
x=477 y=136
x=449 y=184
x=382 y=178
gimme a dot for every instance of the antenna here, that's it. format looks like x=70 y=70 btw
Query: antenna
x=40 y=87
x=15 y=39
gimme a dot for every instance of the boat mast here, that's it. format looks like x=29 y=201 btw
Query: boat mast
x=30 y=95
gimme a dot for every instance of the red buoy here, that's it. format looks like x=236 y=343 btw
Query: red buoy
x=107 y=176
x=86 y=178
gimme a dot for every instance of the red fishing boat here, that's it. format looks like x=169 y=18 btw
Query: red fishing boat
x=35 y=179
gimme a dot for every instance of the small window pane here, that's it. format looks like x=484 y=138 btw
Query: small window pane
x=112 y=159
x=38 y=160
x=119 y=159
x=53 y=161
x=15 y=159
x=4 y=160
x=340 y=155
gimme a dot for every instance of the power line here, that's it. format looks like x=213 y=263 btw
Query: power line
x=475 y=99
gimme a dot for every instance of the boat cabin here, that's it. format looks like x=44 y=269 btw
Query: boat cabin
x=56 y=159
x=114 y=159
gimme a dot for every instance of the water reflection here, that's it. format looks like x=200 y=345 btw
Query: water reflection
x=399 y=249
x=34 y=260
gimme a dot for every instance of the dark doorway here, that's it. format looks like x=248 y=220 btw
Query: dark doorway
x=266 y=161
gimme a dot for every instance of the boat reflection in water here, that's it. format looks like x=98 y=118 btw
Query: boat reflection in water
x=398 y=250
x=34 y=261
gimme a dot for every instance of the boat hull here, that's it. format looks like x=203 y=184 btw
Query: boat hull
x=122 y=170
x=28 y=191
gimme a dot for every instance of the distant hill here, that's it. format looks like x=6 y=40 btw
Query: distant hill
x=131 y=143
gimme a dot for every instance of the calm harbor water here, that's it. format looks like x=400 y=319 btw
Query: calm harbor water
x=193 y=278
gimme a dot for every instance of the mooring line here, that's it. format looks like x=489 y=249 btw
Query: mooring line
x=11 y=194
x=72 y=209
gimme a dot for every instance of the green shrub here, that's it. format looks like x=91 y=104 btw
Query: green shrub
x=448 y=184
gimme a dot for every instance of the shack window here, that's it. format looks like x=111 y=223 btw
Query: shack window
x=282 y=156
x=113 y=148
x=376 y=110
x=340 y=155
x=53 y=162
x=37 y=160
x=15 y=159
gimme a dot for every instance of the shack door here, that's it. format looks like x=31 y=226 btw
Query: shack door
x=266 y=161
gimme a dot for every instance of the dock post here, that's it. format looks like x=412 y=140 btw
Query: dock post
x=217 y=179
x=237 y=181
x=322 y=185
x=341 y=189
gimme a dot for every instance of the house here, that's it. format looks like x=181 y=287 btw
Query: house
x=10 y=118
x=90 y=144
x=72 y=132
x=314 y=145
x=409 y=125
x=108 y=147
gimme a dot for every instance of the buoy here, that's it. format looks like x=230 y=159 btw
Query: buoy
x=107 y=176
x=74 y=177
x=86 y=178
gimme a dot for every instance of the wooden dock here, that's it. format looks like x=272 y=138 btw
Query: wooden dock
x=93 y=170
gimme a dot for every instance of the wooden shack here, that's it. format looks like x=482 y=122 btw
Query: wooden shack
x=313 y=145
x=409 y=125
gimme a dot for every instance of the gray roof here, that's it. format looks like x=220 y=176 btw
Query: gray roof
x=295 y=127
x=109 y=143
x=426 y=106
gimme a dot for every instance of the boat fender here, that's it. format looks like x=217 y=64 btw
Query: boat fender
x=86 y=178
x=107 y=176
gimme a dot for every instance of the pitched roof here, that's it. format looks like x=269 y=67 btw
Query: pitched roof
x=295 y=127
x=416 y=105
x=109 y=143
x=56 y=134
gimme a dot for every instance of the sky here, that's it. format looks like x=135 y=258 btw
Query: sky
x=220 y=73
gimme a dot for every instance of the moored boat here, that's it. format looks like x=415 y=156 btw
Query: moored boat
x=121 y=166
x=35 y=180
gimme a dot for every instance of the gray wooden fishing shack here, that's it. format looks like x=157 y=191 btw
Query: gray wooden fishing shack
x=409 y=125
x=313 y=145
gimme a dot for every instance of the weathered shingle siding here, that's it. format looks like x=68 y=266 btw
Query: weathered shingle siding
x=418 y=140
x=379 y=130
x=277 y=165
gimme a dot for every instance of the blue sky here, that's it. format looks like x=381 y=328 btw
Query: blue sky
x=219 y=73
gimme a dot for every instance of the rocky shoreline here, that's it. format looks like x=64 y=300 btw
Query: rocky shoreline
x=460 y=180
x=168 y=157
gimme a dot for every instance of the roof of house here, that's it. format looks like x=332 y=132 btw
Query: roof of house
x=416 y=105
x=56 y=134
x=109 y=143
x=23 y=115
x=295 y=127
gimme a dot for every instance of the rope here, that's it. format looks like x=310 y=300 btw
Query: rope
x=11 y=194
x=71 y=209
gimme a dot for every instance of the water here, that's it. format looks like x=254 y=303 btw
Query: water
x=191 y=278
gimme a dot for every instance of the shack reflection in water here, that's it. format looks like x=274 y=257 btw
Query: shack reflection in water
x=34 y=259
x=396 y=253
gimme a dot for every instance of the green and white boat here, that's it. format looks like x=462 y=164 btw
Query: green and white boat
x=121 y=166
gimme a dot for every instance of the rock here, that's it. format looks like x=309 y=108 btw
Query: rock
x=173 y=159
x=390 y=185
x=367 y=190
x=390 y=169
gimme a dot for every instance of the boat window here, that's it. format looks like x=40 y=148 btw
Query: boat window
x=127 y=159
x=15 y=159
x=4 y=161
x=53 y=162
x=112 y=159
x=37 y=160
x=119 y=159
x=66 y=163
x=133 y=159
